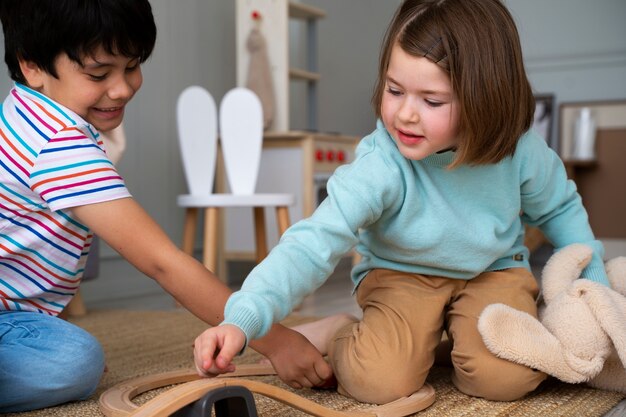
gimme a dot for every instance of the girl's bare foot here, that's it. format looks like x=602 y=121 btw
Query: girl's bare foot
x=321 y=331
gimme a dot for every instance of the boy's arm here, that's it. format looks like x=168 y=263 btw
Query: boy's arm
x=127 y=228
x=296 y=361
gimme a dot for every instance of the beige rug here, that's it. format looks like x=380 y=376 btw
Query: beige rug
x=146 y=342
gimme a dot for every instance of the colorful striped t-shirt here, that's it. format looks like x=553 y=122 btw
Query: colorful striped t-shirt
x=50 y=161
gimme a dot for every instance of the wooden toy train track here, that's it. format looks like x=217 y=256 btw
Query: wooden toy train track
x=117 y=401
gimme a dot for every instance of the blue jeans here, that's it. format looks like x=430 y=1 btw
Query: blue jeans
x=45 y=361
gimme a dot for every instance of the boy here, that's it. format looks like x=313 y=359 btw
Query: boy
x=76 y=64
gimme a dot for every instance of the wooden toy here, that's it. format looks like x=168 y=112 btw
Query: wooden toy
x=117 y=401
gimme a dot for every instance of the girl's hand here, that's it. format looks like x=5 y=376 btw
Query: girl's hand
x=215 y=349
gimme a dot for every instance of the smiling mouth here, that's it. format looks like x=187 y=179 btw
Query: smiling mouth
x=409 y=138
x=108 y=109
x=409 y=134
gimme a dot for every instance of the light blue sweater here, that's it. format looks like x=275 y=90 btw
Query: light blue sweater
x=419 y=217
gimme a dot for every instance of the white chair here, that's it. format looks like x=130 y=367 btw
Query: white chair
x=241 y=136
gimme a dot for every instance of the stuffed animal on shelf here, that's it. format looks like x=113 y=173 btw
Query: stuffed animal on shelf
x=260 y=71
x=581 y=332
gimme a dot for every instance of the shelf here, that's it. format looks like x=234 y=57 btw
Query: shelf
x=301 y=74
x=303 y=11
x=580 y=162
x=276 y=26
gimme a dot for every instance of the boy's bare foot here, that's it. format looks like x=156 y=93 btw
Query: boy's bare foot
x=321 y=331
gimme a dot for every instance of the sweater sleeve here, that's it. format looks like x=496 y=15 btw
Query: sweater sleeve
x=308 y=251
x=551 y=202
x=305 y=256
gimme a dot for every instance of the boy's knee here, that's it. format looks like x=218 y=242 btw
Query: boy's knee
x=53 y=373
x=85 y=361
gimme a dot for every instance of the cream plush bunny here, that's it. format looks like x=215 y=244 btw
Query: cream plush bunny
x=581 y=332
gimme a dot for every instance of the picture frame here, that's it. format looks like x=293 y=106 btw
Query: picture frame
x=543 y=119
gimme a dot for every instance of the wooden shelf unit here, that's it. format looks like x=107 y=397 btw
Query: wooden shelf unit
x=274 y=25
x=304 y=11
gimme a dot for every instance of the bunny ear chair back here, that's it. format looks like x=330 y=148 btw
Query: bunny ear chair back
x=241 y=136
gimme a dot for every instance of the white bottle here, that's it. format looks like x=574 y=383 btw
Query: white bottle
x=584 y=136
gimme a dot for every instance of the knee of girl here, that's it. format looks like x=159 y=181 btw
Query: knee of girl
x=376 y=391
x=378 y=385
x=509 y=383
x=370 y=377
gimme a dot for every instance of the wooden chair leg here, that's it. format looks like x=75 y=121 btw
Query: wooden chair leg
x=76 y=307
x=259 y=233
x=534 y=239
x=282 y=216
x=209 y=254
x=189 y=230
x=189 y=235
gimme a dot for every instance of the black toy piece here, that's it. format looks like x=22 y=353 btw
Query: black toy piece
x=231 y=401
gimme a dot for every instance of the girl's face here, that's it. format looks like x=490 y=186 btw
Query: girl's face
x=98 y=91
x=419 y=108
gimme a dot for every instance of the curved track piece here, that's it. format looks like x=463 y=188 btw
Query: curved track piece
x=117 y=401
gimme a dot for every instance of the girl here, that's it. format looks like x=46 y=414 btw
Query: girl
x=435 y=203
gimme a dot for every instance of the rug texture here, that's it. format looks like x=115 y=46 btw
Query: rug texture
x=140 y=343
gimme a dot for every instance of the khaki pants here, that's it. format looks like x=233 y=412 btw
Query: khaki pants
x=388 y=354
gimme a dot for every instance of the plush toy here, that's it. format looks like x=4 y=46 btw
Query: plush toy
x=260 y=73
x=581 y=332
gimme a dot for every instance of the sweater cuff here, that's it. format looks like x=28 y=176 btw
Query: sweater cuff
x=245 y=344
x=247 y=322
x=596 y=274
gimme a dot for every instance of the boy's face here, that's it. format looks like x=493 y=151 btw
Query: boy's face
x=97 y=91
x=418 y=106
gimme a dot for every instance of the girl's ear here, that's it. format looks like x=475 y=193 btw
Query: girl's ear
x=32 y=73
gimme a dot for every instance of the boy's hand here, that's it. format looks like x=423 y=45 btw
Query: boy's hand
x=215 y=349
x=296 y=361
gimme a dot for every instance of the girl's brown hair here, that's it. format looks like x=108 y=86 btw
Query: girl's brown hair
x=477 y=43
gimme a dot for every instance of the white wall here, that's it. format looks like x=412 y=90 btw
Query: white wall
x=349 y=42
x=575 y=49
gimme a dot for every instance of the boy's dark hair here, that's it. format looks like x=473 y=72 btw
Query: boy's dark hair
x=40 y=30
x=477 y=43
